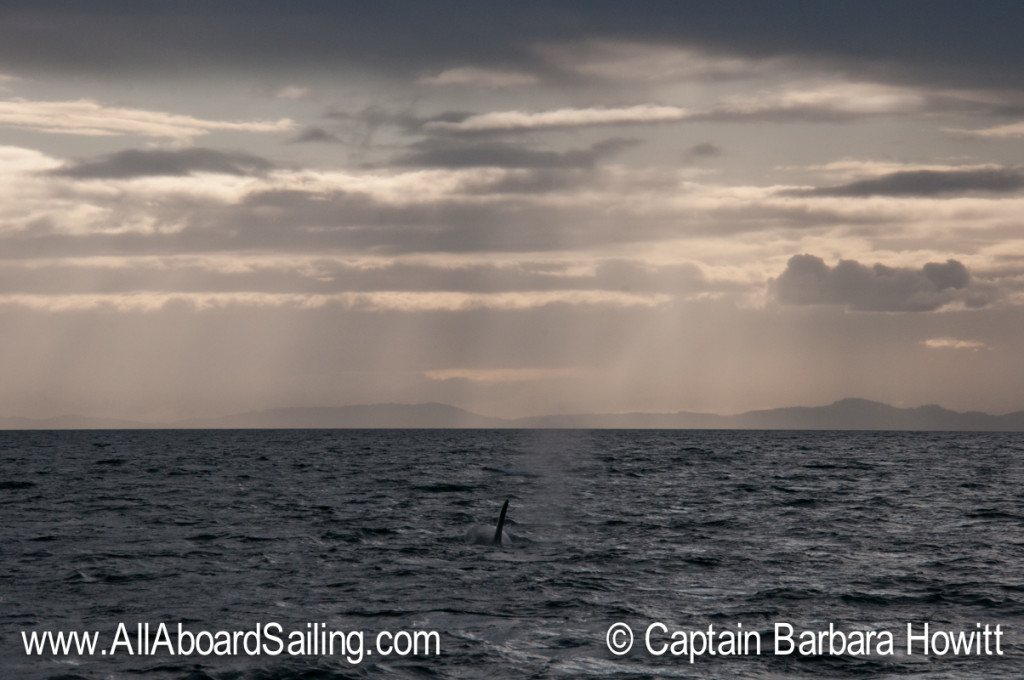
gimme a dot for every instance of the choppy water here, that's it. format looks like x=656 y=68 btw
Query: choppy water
x=364 y=530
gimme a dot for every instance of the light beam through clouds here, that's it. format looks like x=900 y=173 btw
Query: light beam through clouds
x=646 y=208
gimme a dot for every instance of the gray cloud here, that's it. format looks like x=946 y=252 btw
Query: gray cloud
x=453 y=153
x=295 y=221
x=298 y=219
x=371 y=118
x=145 y=163
x=808 y=280
x=704 y=150
x=535 y=181
x=314 y=134
x=926 y=183
x=326 y=276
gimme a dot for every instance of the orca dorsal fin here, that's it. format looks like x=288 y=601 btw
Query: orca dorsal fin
x=501 y=524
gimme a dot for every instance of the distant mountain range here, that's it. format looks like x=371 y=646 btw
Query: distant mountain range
x=846 y=414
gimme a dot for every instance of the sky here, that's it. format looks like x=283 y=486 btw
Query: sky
x=519 y=208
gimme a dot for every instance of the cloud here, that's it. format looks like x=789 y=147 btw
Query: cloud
x=645 y=62
x=609 y=209
x=1011 y=130
x=830 y=101
x=448 y=153
x=319 y=274
x=926 y=183
x=403 y=301
x=953 y=343
x=952 y=41
x=808 y=280
x=478 y=77
x=535 y=181
x=851 y=169
x=16 y=160
x=157 y=162
x=703 y=150
x=460 y=210
x=521 y=120
x=483 y=256
x=314 y=135
x=834 y=102
x=359 y=128
x=292 y=93
x=89 y=118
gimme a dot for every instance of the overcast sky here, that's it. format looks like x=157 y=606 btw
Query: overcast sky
x=516 y=208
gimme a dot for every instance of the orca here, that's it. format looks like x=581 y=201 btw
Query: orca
x=485 y=535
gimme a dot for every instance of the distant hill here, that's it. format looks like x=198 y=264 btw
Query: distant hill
x=862 y=414
x=845 y=414
x=358 y=416
x=69 y=423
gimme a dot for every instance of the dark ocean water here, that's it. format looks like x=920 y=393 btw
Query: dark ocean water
x=364 y=531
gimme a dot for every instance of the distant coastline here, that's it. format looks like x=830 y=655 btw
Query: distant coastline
x=845 y=414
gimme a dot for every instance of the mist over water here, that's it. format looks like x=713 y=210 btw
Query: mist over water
x=365 y=530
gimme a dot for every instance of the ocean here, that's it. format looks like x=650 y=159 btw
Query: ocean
x=243 y=555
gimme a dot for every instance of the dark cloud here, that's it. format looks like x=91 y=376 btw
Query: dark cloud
x=453 y=153
x=926 y=183
x=144 y=163
x=704 y=150
x=314 y=135
x=808 y=280
x=374 y=117
x=771 y=112
x=358 y=129
x=953 y=41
